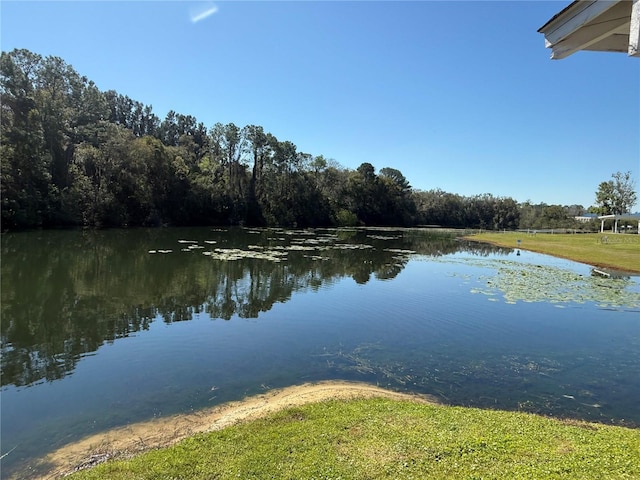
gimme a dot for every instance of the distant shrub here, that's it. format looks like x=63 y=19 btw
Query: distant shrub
x=346 y=218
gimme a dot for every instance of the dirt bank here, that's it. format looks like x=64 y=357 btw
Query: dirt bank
x=162 y=432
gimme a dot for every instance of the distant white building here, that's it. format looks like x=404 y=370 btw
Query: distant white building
x=598 y=25
x=586 y=217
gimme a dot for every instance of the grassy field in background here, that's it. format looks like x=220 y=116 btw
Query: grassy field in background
x=391 y=439
x=616 y=251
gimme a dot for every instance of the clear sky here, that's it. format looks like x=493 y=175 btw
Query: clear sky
x=460 y=96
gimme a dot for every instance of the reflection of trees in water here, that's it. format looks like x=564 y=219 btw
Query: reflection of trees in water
x=483 y=249
x=64 y=294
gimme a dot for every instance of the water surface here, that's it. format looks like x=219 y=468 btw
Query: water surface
x=100 y=329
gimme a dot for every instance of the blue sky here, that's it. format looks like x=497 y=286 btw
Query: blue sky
x=460 y=96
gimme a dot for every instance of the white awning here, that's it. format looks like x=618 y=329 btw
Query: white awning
x=617 y=218
x=597 y=25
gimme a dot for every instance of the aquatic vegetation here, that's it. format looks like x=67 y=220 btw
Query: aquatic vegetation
x=551 y=284
x=230 y=254
x=498 y=279
x=277 y=248
x=317 y=257
x=526 y=282
x=300 y=248
x=351 y=246
x=399 y=250
x=534 y=383
x=384 y=237
x=314 y=241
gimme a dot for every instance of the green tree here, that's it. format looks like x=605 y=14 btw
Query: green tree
x=480 y=211
x=228 y=149
x=396 y=177
x=331 y=182
x=506 y=214
x=260 y=151
x=437 y=207
x=276 y=195
x=553 y=216
x=363 y=187
x=26 y=176
x=616 y=196
x=398 y=208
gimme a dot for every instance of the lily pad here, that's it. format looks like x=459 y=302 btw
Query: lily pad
x=548 y=283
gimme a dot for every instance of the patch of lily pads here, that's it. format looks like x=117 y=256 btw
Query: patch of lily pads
x=230 y=254
x=523 y=282
x=352 y=246
x=384 y=237
x=312 y=246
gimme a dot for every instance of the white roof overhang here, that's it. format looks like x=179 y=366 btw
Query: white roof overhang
x=598 y=25
x=624 y=216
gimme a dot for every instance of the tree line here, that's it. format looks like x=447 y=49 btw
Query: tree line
x=73 y=155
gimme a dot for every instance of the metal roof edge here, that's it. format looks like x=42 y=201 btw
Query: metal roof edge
x=560 y=13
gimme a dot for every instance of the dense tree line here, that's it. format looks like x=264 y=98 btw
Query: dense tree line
x=73 y=155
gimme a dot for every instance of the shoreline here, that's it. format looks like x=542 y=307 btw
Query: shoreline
x=573 y=258
x=134 y=439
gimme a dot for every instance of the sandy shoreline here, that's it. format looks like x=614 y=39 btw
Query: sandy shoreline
x=162 y=432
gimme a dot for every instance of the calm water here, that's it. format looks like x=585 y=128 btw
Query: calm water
x=98 y=332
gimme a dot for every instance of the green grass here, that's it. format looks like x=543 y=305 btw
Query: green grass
x=615 y=251
x=387 y=439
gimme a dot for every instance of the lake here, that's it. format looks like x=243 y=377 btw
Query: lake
x=104 y=328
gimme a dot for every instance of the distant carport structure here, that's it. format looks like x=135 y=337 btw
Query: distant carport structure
x=597 y=25
x=616 y=218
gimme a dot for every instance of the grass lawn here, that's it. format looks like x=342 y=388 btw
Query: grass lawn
x=391 y=439
x=598 y=249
